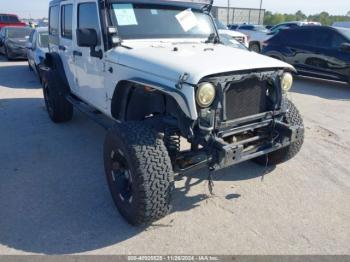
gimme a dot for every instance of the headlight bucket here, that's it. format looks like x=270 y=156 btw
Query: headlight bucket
x=286 y=82
x=205 y=94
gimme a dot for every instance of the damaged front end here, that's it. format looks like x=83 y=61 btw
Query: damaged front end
x=246 y=120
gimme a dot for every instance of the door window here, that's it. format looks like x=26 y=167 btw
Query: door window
x=337 y=41
x=88 y=17
x=66 y=21
x=54 y=20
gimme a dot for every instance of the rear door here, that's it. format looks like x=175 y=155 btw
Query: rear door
x=66 y=44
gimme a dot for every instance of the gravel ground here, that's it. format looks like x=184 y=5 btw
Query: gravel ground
x=54 y=198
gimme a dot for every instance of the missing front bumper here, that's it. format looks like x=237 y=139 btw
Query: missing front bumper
x=229 y=154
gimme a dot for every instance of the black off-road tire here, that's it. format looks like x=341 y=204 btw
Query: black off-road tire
x=148 y=164
x=282 y=155
x=55 y=92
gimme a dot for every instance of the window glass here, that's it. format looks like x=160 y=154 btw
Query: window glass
x=14 y=32
x=139 y=20
x=31 y=36
x=12 y=19
x=87 y=16
x=44 y=40
x=66 y=21
x=337 y=40
x=246 y=27
x=54 y=20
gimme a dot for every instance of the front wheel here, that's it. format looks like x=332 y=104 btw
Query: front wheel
x=293 y=118
x=138 y=171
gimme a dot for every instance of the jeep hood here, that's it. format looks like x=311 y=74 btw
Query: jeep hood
x=171 y=60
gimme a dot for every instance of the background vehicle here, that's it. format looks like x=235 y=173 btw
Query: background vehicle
x=275 y=29
x=159 y=73
x=229 y=41
x=238 y=36
x=257 y=34
x=10 y=20
x=37 y=47
x=13 y=42
x=342 y=24
x=319 y=51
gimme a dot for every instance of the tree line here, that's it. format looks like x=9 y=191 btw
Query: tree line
x=324 y=18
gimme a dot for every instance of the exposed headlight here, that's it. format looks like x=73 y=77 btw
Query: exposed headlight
x=286 y=82
x=205 y=94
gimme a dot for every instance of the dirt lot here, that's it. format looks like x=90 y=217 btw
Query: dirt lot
x=54 y=198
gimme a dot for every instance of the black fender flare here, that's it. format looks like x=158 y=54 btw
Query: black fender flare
x=53 y=63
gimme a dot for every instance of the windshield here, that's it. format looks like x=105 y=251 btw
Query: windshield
x=147 y=21
x=44 y=39
x=220 y=25
x=18 y=32
x=345 y=32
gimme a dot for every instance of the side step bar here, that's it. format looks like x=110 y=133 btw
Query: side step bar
x=92 y=113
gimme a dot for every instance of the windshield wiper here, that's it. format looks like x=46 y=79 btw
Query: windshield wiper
x=212 y=38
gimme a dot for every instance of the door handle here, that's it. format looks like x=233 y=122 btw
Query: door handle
x=77 y=53
x=62 y=48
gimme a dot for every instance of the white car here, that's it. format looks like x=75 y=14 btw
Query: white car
x=257 y=34
x=154 y=72
x=238 y=36
x=37 y=47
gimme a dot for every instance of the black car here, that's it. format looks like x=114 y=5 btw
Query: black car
x=13 y=42
x=316 y=51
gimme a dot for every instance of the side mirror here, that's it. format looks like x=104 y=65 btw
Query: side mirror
x=29 y=46
x=87 y=37
x=345 y=47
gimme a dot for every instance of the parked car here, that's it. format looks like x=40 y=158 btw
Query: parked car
x=159 y=73
x=37 y=47
x=293 y=24
x=233 y=26
x=238 y=36
x=342 y=24
x=229 y=41
x=10 y=20
x=257 y=34
x=318 y=51
x=13 y=42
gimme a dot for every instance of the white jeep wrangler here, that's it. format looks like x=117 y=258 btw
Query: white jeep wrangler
x=159 y=72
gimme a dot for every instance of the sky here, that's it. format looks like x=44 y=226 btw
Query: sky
x=38 y=8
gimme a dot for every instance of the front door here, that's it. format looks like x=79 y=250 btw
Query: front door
x=89 y=70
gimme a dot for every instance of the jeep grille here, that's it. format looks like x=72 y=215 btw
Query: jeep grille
x=246 y=98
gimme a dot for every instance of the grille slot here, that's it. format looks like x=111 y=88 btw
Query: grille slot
x=246 y=98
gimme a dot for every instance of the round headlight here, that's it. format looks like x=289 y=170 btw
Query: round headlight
x=286 y=82
x=205 y=94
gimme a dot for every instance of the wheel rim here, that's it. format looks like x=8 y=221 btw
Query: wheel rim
x=47 y=99
x=121 y=177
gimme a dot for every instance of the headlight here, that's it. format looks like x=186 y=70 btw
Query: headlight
x=286 y=82
x=205 y=94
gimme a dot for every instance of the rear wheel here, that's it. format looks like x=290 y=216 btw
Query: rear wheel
x=292 y=117
x=138 y=171
x=58 y=108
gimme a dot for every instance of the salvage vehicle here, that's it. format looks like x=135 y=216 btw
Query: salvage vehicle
x=37 y=47
x=153 y=73
x=13 y=42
